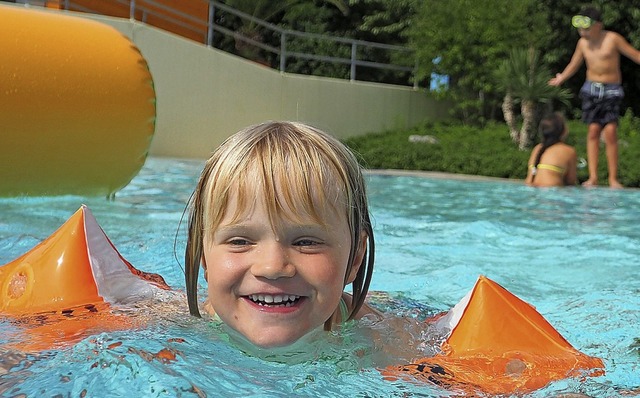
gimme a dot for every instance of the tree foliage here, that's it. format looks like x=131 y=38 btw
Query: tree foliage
x=382 y=21
x=524 y=79
x=470 y=38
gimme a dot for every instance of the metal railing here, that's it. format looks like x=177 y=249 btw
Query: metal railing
x=281 y=47
x=284 y=34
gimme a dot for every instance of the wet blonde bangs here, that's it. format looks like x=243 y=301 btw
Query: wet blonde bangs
x=288 y=167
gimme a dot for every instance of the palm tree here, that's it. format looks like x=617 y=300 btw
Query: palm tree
x=525 y=80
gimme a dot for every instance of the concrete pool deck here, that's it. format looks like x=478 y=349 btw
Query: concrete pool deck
x=440 y=175
x=469 y=177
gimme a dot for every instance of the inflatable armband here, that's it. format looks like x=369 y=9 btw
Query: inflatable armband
x=498 y=344
x=72 y=276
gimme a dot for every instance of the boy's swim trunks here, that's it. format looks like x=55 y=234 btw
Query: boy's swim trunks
x=601 y=102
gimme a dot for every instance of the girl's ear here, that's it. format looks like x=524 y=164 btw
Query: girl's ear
x=203 y=263
x=357 y=258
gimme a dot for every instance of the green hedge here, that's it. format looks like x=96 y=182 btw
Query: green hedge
x=488 y=151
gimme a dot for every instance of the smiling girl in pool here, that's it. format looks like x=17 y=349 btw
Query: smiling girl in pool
x=279 y=221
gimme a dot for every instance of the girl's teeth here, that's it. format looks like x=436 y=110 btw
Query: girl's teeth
x=278 y=299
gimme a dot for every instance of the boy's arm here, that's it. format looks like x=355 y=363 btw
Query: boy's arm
x=572 y=67
x=627 y=49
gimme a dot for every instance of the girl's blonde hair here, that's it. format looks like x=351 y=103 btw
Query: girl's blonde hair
x=295 y=167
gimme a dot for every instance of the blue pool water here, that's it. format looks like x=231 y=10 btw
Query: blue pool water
x=573 y=253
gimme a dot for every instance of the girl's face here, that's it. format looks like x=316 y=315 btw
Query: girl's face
x=275 y=284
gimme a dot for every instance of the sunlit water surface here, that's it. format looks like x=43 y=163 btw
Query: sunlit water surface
x=573 y=253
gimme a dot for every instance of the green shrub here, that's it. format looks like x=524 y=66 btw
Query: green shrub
x=628 y=125
x=486 y=151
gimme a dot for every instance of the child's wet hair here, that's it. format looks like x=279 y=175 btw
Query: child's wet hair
x=552 y=127
x=294 y=168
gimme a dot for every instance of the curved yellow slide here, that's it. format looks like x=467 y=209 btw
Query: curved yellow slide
x=77 y=105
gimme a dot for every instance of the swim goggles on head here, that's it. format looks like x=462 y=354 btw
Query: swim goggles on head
x=581 y=22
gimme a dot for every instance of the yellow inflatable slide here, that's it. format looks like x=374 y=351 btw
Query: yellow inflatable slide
x=77 y=105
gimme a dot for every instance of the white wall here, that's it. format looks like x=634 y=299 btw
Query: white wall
x=204 y=95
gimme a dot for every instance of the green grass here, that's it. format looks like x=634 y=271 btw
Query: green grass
x=488 y=151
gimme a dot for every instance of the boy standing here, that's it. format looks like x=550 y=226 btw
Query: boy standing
x=602 y=91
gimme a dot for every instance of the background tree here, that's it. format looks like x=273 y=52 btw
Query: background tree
x=524 y=80
x=310 y=17
x=271 y=11
x=381 y=21
x=385 y=21
x=472 y=38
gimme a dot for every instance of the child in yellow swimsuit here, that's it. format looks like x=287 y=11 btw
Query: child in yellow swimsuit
x=552 y=162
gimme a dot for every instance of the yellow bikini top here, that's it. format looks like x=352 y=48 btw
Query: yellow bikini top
x=544 y=166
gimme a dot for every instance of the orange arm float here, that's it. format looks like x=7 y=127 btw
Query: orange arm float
x=499 y=344
x=77 y=105
x=72 y=276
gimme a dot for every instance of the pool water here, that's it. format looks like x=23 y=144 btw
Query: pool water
x=572 y=253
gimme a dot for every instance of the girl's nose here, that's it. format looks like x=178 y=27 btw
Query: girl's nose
x=273 y=262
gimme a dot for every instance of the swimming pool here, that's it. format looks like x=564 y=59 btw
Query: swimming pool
x=573 y=253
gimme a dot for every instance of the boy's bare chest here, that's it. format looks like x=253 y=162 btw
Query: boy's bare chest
x=599 y=51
